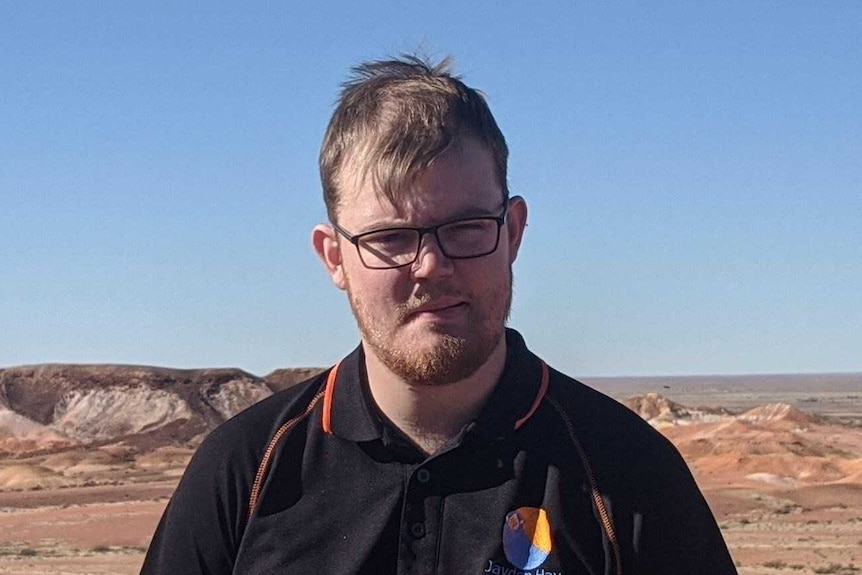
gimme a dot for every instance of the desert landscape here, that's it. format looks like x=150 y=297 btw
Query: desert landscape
x=90 y=454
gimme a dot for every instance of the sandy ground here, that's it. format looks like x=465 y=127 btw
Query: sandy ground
x=779 y=532
x=97 y=529
x=105 y=529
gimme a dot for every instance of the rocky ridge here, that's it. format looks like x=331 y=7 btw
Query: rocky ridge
x=773 y=443
x=55 y=406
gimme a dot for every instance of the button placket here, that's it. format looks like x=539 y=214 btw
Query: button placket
x=422 y=476
x=419 y=523
x=417 y=530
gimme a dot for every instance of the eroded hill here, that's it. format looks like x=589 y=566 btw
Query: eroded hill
x=52 y=406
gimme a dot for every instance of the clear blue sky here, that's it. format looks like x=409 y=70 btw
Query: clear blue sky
x=693 y=171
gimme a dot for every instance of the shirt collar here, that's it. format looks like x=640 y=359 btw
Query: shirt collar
x=515 y=393
x=354 y=415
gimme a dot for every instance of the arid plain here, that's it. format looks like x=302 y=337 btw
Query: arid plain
x=89 y=456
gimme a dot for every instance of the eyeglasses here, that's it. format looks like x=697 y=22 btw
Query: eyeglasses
x=460 y=239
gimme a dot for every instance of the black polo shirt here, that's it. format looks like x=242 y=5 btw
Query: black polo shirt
x=552 y=478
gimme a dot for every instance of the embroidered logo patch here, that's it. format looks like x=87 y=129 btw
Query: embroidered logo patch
x=527 y=537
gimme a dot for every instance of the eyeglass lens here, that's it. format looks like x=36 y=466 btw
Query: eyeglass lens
x=397 y=247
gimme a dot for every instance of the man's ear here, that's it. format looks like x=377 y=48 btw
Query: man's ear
x=325 y=244
x=516 y=221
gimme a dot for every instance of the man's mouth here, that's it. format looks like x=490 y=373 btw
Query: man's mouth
x=438 y=308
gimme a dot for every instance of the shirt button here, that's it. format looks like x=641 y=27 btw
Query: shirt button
x=423 y=475
x=417 y=530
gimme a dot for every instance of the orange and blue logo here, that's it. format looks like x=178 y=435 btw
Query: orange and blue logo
x=527 y=537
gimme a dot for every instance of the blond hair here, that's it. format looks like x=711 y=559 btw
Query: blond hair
x=393 y=118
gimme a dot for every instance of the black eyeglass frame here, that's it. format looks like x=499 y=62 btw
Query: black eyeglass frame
x=356 y=238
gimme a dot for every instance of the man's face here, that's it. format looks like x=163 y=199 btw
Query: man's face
x=438 y=320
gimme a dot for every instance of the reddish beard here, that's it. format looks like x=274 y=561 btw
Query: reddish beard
x=452 y=357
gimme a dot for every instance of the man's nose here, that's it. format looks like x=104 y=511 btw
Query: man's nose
x=431 y=260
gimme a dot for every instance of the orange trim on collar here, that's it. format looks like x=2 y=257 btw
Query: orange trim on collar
x=333 y=375
x=327 y=398
x=543 y=389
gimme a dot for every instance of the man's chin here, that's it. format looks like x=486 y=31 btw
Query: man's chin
x=434 y=359
x=425 y=334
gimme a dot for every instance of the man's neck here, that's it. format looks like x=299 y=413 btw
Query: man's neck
x=432 y=415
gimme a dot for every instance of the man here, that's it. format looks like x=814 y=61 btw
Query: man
x=441 y=444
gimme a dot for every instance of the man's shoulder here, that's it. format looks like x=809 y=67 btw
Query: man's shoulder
x=247 y=433
x=629 y=454
x=605 y=426
x=587 y=403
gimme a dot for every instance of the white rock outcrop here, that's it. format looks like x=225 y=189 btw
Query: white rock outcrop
x=99 y=414
x=234 y=396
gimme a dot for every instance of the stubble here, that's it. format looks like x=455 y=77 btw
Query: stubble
x=452 y=357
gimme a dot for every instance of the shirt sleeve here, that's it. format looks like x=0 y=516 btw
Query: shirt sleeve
x=676 y=533
x=200 y=530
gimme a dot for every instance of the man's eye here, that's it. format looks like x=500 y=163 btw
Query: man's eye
x=389 y=240
x=468 y=229
x=476 y=225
